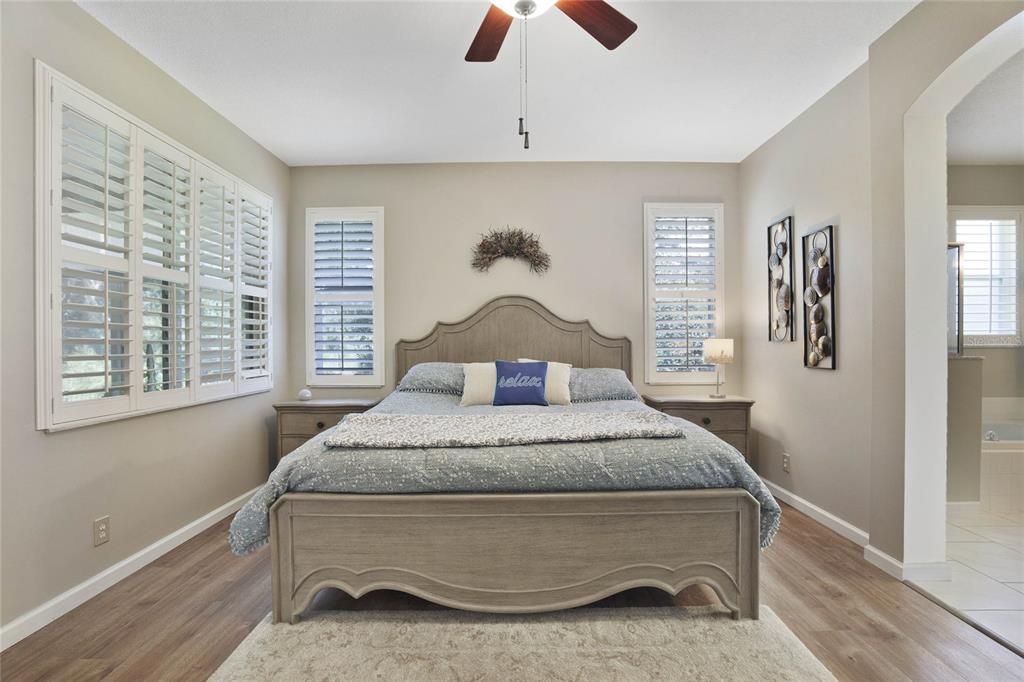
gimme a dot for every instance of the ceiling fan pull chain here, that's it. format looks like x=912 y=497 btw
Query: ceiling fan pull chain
x=526 y=83
x=521 y=128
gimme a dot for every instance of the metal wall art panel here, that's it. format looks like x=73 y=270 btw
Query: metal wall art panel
x=819 y=299
x=781 y=323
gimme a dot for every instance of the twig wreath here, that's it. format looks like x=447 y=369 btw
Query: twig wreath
x=512 y=242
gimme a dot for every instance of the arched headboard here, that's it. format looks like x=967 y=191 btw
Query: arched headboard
x=511 y=327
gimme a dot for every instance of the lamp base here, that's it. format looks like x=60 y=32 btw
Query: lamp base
x=717 y=395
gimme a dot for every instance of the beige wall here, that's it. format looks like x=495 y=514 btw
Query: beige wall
x=153 y=474
x=1003 y=369
x=588 y=217
x=817 y=169
x=985 y=185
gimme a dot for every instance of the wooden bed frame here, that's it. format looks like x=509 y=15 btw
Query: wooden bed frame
x=515 y=553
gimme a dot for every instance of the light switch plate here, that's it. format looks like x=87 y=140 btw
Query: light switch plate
x=785 y=462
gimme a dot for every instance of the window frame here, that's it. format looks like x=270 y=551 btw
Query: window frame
x=53 y=414
x=653 y=211
x=1016 y=213
x=375 y=214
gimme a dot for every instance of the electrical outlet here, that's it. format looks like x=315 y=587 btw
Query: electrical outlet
x=785 y=462
x=100 y=531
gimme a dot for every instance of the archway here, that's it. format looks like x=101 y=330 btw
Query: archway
x=925 y=214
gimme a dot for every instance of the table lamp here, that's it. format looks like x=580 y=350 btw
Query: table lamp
x=718 y=352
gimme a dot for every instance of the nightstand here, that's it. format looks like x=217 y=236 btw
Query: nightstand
x=728 y=418
x=300 y=420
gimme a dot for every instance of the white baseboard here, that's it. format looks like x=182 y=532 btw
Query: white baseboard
x=935 y=570
x=27 y=623
x=974 y=506
x=827 y=519
x=878 y=558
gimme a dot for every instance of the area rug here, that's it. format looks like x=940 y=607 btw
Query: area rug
x=663 y=643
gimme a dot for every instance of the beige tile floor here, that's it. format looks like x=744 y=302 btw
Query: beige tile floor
x=986 y=554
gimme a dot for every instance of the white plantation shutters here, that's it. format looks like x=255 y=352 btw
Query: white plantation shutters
x=992 y=275
x=166 y=337
x=95 y=333
x=255 y=239
x=255 y=337
x=216 y=338
x=92 y=169
x=683 y=289
x=345 y=297
x=217 y=223
x=165 y=249
x=254 y=243
x=154 y=269
x=217 y=226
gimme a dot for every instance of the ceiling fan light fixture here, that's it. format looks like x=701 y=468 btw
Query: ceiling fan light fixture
x=524 y=8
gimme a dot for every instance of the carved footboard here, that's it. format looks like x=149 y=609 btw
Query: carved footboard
x=515 y=552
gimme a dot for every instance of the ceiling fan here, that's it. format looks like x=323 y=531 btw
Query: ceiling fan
x=609 y=26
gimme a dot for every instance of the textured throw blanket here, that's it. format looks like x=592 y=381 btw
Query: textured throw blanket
x=486 y=430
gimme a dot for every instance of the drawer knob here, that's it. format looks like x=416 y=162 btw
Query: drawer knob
x=319 y=425
x=705 y=421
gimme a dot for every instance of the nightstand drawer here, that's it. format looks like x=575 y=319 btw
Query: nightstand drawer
x=300 y=420
x=308 y=423
x=716 y=420
x=289 y=443
x=737 y=439
x=728 y=418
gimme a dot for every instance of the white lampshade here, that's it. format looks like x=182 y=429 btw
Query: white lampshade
x=718 y=351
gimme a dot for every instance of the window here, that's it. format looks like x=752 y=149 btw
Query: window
x=141 y=302
x=992 y=273
x=682 y=290
x=344 y=297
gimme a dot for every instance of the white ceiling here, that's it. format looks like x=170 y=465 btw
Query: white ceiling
x=987 y=127
x=385 y=82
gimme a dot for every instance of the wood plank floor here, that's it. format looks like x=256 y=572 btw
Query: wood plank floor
x=180 y=617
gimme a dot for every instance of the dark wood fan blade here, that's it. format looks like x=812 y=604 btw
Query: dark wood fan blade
x=489 y=38
x=608 y=25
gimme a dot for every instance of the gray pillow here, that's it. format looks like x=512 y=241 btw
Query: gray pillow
x=600 y=383
x=433 y=377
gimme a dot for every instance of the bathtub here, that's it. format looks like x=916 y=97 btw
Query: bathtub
x=1002 y=468
x=1009 y=431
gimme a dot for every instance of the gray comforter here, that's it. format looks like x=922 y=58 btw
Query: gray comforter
x=697 y=460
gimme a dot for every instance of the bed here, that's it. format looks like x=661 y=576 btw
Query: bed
x=422 y=522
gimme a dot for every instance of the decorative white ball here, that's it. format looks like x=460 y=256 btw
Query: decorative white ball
x=305 y=394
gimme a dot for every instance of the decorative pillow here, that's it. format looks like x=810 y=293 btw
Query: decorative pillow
x=520 y=383
x=556 y=383
x=433 y=377
x=600 y=383
x=480 y=380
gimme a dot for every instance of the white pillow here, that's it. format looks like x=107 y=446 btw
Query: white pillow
x=556 y=383
x=478 y=387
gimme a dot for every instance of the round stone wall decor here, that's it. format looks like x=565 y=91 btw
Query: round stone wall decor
x=819 y=287
x=781 y=325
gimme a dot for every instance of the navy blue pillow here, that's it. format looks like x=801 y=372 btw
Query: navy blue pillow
x=520 y=383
